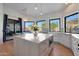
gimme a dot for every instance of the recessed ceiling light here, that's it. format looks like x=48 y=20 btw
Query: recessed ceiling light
x=36 y=8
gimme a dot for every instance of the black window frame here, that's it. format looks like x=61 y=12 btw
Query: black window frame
x=40 y=21
x=25 y=22
x=65 y=20
x=59 y=24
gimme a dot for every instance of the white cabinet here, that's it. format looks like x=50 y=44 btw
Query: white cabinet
x=27 y=48
x=18 y=45
x=68 y=40
x=31 y=48
x=75 y=46
x=63 y=38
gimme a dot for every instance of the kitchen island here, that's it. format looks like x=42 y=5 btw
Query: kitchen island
x=27 y=45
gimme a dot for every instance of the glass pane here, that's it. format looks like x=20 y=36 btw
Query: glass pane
x=72 y=23
x=28 y=26
x=10 y=27
x=54 y=25
x=17 y=26
x=41 y=25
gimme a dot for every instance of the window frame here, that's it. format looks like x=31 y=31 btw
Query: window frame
x=59 y=24
x=25 y=22
x=65 y=20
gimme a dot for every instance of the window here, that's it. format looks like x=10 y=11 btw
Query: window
x=28 y=26
x=42 y=25
x=10 y=26
x=54 y=24
x=72 y=23
x=17 y=26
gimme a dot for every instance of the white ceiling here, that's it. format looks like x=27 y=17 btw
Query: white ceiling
x=28 y=8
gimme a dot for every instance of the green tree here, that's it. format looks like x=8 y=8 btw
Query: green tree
x=44 y=25
x=53 y=25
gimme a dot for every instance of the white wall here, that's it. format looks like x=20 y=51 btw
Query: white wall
x=1 y=23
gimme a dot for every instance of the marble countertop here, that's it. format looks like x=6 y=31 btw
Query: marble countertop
x=75 y=35
x=30 y=37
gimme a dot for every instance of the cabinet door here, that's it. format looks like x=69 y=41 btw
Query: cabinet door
x=31 y=48
x=27 y=48
x=19 y=47
x=68 y=41
x=62 y=38
x=43 y=46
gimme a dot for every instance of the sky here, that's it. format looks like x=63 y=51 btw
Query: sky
x=74 y=17
x=40 y=23
x=31 y=23
x=28 y=24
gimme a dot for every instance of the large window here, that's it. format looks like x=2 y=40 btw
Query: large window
x=42 y=25
x=28 y=26
x=72 y=23
x=54 y=24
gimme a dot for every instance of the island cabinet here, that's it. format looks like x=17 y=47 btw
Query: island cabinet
x=75 y=44
x=32 y=47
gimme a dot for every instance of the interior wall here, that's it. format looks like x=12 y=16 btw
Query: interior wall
x=1 y=23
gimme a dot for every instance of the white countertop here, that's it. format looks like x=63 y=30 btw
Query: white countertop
x=30 y=37
x=75 y=35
